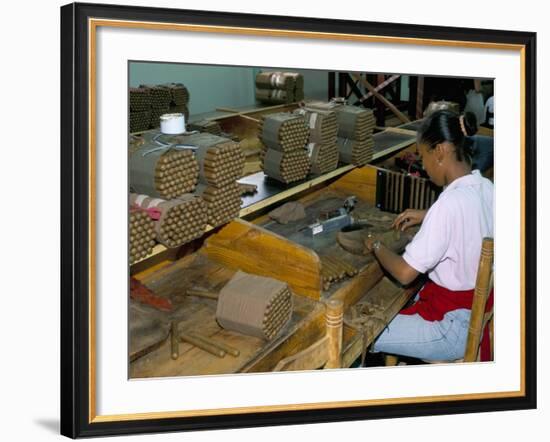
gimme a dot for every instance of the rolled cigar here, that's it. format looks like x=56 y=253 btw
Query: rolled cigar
x=331 y=270
x=326 y=275
x=350 y=270
x=216 y=351
x=336 y=265
x=224 y=347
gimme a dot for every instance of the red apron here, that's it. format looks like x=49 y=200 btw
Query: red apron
x=434 y=301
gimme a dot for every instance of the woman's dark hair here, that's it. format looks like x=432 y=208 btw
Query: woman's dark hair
x=445 y=125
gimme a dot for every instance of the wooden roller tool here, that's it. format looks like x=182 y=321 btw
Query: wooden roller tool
x=215 y=348
x=202 y=344
x=224 y=347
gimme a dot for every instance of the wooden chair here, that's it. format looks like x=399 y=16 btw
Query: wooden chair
x=327 y=351
x=478 y=318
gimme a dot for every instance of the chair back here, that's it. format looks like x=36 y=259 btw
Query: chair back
x=479 y=318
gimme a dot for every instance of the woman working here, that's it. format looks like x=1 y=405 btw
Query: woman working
x=447 y=247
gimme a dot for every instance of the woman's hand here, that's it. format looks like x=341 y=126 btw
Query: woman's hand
x=370 y=242
x=408 y=218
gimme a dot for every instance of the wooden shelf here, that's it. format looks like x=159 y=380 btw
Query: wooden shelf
x=271 y=196
x=385 y=143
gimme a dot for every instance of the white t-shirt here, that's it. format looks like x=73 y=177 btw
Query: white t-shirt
x=448 y=244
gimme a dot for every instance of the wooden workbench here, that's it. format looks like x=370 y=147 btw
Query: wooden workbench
x=255 y=246
x=264 y=248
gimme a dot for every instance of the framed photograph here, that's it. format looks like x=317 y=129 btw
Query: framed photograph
x=212 y=164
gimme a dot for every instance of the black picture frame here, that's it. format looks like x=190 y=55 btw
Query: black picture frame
x=76 y=416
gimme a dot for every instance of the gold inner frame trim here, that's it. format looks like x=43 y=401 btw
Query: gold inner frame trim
x=93 y=24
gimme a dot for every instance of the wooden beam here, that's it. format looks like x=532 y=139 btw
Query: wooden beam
x=420 y=98
x=383 y=99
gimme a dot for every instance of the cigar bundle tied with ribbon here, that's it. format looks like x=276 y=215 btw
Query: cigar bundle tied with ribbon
x=273 y=96
x=322 y=148
x=220 y=159
x=286 y=167
x=162 y=171
x=322 y=124
x=222 y=203
x=275 y=80
x=355 y=141
x=283 y=131
x=160 y=98
x=254 y=305
x=140 y=109
x=284 y=137
x=141 y=234
x=355 y=125
x=179 y=94
x=323 y=157
x=140 y=121
x=177 y=221
x=279 y=87
x=355 y=122
x=140 y=99
x=357 y=152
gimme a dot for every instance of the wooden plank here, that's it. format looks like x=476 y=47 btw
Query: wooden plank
x=199 y=315
x=162 y=253
x=360 y=182
x=258 y=112
x=313 y=357
x=380 y=97
x=298 y=338
x=245 y=246
x=400 y=130
x=159 y=256
x=239 y=125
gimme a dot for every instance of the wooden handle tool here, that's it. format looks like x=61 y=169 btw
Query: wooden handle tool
x=199 y=343
x=222 y=346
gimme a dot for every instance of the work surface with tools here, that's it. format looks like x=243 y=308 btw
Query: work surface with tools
x=371 y=300
x=325 y=245
x=150 y=332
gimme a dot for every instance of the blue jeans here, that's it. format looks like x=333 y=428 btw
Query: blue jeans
x=411 y=335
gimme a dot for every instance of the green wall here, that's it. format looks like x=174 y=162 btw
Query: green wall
x=218 y=86
x=227 y=86
x=209 y=86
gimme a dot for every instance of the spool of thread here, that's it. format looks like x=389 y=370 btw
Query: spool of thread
x=172 y=124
